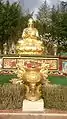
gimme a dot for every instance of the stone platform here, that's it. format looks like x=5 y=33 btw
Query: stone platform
x=35 y=106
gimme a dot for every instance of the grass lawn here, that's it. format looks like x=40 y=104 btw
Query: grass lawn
x=5 y=78
x=62 y=80
x=53 y=79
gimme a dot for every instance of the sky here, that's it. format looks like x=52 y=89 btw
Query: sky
x=33 y=5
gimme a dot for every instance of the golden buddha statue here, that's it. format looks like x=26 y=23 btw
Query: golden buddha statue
x=33 y=76
x=30 y=44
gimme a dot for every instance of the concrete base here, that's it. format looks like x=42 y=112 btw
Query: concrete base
x=33 y=106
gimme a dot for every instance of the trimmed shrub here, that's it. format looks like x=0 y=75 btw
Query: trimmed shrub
x=55 y=96
x=11 y=96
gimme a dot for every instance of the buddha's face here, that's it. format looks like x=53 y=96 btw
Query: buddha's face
x=30 y=23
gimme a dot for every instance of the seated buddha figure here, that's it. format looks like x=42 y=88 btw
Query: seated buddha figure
x=30 y=43
x=30 y=33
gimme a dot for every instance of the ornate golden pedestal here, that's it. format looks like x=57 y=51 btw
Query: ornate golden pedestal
x=32 y=79
x=33 y=74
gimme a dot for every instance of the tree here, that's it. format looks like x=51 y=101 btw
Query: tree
x=59 y=28
x=44 y=17
x=10 y=15
x=54 y=21
x=13 y=19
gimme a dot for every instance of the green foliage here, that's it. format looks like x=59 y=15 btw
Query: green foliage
x=10 y=15
x=11 y=96
x=54 y=21
x=55 y=97
x=59 y=28
x=44 y=17
x=12 y=22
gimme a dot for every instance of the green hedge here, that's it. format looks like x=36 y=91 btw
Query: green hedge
x=11 y=96
x=55 y=96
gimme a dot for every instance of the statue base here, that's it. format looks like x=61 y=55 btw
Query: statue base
x=33 y=106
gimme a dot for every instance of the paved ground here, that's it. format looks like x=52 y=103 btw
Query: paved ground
x=32 y=116
x=19 y=114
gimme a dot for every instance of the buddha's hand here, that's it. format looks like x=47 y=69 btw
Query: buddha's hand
x=26 y=35
x=33 y=37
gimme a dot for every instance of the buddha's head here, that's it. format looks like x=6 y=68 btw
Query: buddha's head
x=30 y=22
